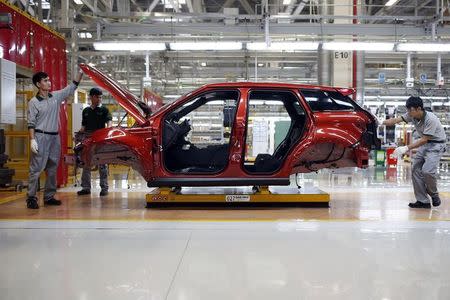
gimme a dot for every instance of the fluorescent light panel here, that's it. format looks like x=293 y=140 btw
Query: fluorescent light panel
x=45 y=5
x=206 y=46
x=275 y=46
x=282 y=46
x=358 y=46
x=129 y=46
x=391 y=2
x=405 y=97
x=79 y=2
x=423 y=47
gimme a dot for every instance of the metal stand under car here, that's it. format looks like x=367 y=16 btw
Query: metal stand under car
x=243 y=195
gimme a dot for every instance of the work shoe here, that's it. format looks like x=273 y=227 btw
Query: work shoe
x=419 y=204
x=32 y=203
x=436 y=200
x=103 y=192
x=83 y=192
x=52 y=201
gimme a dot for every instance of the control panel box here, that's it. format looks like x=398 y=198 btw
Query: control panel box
x=7 y=92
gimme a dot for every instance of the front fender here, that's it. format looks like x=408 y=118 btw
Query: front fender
x=119 y=146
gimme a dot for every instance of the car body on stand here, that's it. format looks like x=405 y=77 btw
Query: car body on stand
x=234 y=134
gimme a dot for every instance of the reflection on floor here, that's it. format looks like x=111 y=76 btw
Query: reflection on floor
x=114 y=248
x=224 y=260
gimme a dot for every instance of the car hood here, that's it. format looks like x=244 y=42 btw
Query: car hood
x=127 y=100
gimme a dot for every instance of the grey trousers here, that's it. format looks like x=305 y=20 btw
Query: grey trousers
x=86 y=178
x=424 y=171
x=47 y=159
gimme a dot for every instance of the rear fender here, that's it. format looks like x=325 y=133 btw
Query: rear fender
x=330 y=147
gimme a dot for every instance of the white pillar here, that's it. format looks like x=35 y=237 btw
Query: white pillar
x=342 y=61
x=360 y=75
x=256 y=68
x=323 y=67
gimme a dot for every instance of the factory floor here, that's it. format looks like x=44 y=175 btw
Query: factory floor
x=367 y=245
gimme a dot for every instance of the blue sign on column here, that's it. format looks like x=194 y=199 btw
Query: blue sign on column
x=423 y=78
x=381 y=78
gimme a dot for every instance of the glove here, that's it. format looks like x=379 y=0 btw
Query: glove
x=34 y=146
x=399 y=151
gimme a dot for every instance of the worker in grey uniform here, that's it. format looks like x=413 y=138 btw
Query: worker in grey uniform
x=430 y=148
x=95 y=117
x=43 y=126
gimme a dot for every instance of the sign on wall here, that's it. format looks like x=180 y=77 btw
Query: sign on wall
x=423 y=78
x=381 y=78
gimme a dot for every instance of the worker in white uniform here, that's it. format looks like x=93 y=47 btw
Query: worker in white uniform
x=43 y=126
x=430 y=148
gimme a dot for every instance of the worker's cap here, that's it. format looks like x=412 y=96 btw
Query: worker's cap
x=95 y=92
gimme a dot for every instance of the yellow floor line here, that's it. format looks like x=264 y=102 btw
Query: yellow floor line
x=12 y=198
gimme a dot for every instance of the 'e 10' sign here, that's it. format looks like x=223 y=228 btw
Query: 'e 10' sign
x=341 y=55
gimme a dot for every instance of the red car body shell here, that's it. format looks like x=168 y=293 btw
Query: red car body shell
x=330 y=138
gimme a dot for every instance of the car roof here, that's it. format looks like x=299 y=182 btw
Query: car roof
x=268 y=85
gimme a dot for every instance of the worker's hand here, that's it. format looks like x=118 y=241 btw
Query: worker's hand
x=79 y=75
x=399 y=151
x=34 y=146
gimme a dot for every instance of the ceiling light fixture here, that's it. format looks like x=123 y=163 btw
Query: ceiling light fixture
x=180 y=46
x=423 y=47
x=358 y=46
x=391 y=2
x=129 y=46
x=283 y=46
x=79 y=2
x=45 y=5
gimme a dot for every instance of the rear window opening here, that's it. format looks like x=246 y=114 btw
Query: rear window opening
x=327 y=100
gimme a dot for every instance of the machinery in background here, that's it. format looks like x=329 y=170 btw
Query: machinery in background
x=390 y=112
x=6 y=174
x=19 y=46
x=7 y=115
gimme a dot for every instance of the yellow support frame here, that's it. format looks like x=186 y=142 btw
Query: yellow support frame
x=165 y=195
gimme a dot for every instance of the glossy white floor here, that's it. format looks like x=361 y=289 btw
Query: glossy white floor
x=275 y=259
x=234 y=260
